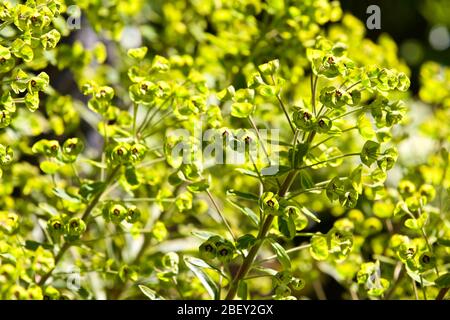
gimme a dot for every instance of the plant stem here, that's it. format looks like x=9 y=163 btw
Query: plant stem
x=424 y=290
x=84 y=217
x=221 y=214
x=304 y=246
x=283 y=107
x=248 y=261
x=442 y=293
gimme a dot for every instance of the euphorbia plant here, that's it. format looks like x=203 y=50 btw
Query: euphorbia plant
x=341 y=93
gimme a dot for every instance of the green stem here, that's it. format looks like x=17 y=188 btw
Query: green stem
x=230 y=230
x=84 y=217
x=248 y=261
x=331 y=159
x=283 y=107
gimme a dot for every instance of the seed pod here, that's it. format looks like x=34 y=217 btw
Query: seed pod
x=55 y=225
x=324 y=124
x=133 y=214
x=427 y=261
x=269 y=203
x=406 y=188
x=428 y=192
x=303 y=120
x=73 y=147
x=298 y=284
x=51 y=148
x=137 y=152
x=50 y=293
x=120 y=154
x=225 y=251
x=117 y=213
x=283 y=277
x=207 y=250
x=406 y=252
x=75 y=227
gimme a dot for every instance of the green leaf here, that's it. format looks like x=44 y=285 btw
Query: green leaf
x=444 y=242
x=32 y=101
x=207 y=282
x=412 y=224
x=275 y=170
x=62 y=194
x=247 y=211
x=242 y=109
x=87 y=190
x=199 y=186
x=245 y=242
x=151 y=294
x=417 y=277
x=49 y=167
x=242 y=290
x=319 y=247
x=282 y=256
x=365 y=127
x=443 y=281
x=306 y=180
x=203 y=235
x=286 y=225
x=310 y=214
x=50 y=39
x=33 y=245
x=137 y=53
x=22 y=50
x=243 y=195
x=369 y=153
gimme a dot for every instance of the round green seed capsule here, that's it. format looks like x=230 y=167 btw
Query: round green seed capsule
x=75 y=227
x=117 y=213
x=133 y=214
